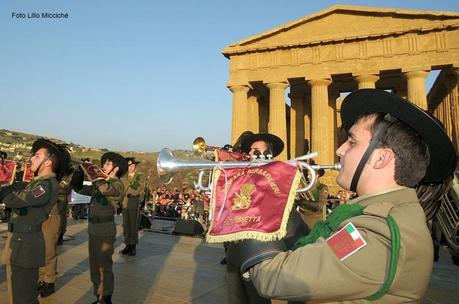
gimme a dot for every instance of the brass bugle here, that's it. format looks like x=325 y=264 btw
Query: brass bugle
x=199 y=147
x=167 y=166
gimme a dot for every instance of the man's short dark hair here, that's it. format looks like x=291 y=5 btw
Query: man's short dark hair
x=411 y=151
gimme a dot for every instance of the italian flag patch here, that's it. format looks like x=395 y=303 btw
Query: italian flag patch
x=346 y=241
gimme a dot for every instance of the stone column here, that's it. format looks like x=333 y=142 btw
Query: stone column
x=253 y=116
x=455 y=108
x=240 y=109
x=332 y=121
x=277 y=117
x=307 y=121
x=297 y=128
x=263 y=112
x=321 y=138
x=367 y=81
x=416 y=87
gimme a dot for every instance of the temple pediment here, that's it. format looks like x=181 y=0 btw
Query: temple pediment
x=340 y=23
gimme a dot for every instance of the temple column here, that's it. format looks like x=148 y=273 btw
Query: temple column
x=367 y=81
x=455 y=109
x=333 y=121
x=307 y=121
x=253 y=116
x=297 y=127
x=277 y=117
x=322 y=124
x=240 y=110
x=416 y=87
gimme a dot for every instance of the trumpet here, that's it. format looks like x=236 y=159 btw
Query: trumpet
x=199 y=148
x=167 y=166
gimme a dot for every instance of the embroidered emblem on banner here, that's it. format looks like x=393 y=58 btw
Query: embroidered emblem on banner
x=243 y=199
x=38 y=191
x=346 y=241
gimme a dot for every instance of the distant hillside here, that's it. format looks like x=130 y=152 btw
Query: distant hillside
x=18 y=145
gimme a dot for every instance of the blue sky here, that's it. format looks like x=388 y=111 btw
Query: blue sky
x=134 y=75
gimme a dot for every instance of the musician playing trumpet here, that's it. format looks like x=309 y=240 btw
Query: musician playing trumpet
x=377 y=247
x=257 y=146
x=108 y=190
x=24 y=250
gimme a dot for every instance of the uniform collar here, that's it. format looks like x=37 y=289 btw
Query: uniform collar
x=46 y=176
x=392 y=196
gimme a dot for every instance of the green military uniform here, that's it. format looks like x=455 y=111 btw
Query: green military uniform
x=305 y=273
x=102 y=233
x=130 y=205
x=62 y=201
x=51 y=229
x=24 y=250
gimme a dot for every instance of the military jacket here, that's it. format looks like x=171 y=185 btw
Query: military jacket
x=64 y=191
x=25 y=246
x=102 y=207
x=314 y=274
x=132 y=186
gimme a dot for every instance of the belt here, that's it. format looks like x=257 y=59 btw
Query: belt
x=102 y=219
x=13 y=227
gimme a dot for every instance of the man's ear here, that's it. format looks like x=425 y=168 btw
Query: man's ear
x=49 y=163
x=384 y=157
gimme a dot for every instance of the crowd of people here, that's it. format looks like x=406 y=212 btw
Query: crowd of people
x=179 y=203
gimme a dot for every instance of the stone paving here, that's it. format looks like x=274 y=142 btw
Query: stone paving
x=173 y=269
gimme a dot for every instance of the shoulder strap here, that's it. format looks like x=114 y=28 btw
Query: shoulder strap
x=383 y=210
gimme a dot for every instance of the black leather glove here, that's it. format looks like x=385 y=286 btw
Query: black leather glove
x=248 y=253
x=296 y=228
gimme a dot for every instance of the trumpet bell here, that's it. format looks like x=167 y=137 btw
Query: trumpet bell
x=165 y=166
x=199 y=146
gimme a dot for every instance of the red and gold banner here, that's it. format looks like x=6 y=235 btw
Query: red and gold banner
x=223 y=155
x=92 y=171
x=252 y=202
x=7 y=172
x=28 y=174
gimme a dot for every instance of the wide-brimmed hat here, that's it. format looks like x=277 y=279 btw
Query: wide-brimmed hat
x=277 y=143
x=442 y=154
x=59 y=150
x=132 y=160
x=237 y=147
x=118 y=159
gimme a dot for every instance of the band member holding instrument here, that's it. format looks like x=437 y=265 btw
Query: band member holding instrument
x=130 y=205
x=108 y=190
x=25 y=250
x=53 y=232
x=51 y=229
x=262 y=145
x=377 y=247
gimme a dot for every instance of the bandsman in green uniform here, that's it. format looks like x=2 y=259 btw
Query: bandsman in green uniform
x=101 y=227
x=25 y=250
x=377 y=247
x=130 y=207
x=53 y=231
x=268 y=146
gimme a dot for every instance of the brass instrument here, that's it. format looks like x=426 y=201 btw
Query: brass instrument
x=200 y=148
x=167 y=166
